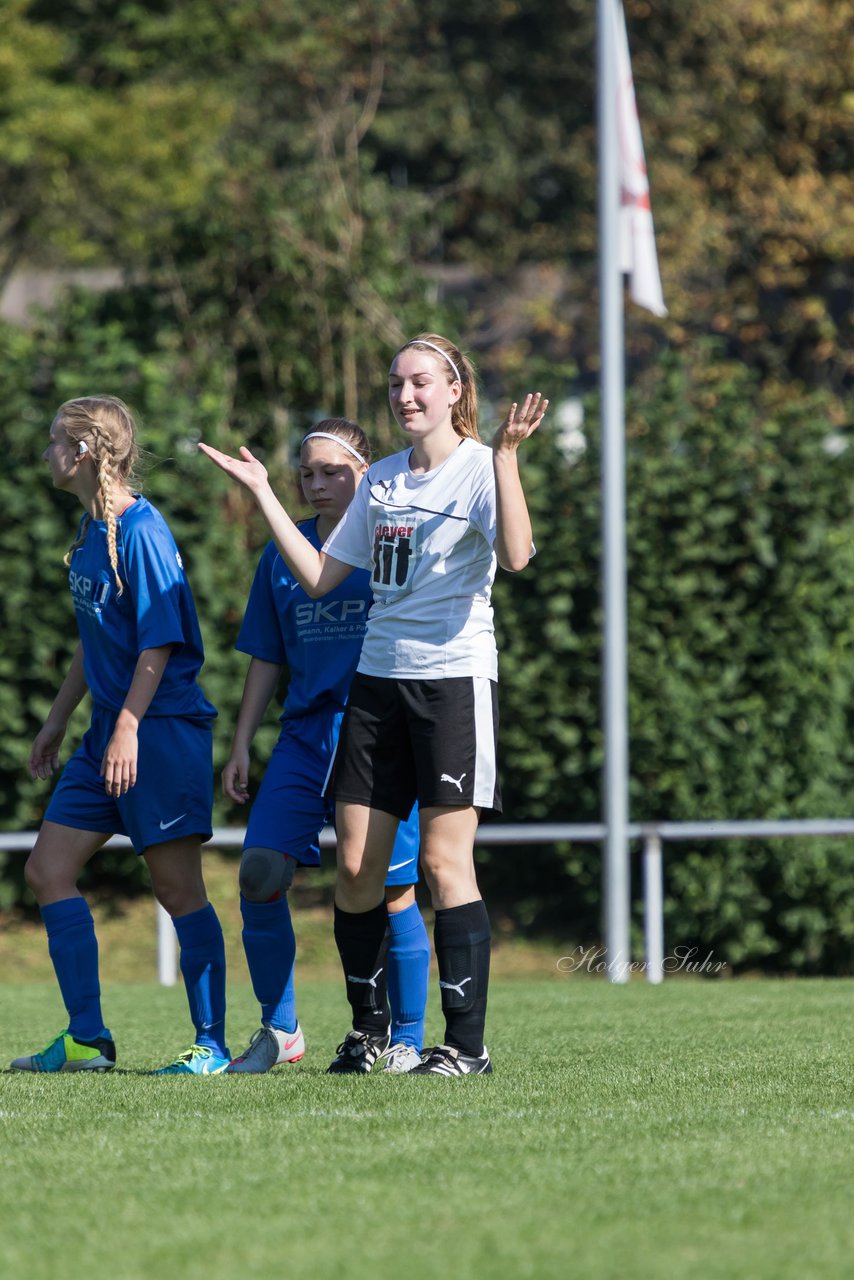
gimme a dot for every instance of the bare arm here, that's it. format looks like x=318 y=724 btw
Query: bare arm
x=316 y=573
x=44 y=753
x=119 y=765
x=513 y=523
x=258 y=688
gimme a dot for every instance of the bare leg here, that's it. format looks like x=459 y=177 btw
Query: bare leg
x=365 y=842
x=447 y=855
x=399 y=897
x=57 y=859
x=176 y=875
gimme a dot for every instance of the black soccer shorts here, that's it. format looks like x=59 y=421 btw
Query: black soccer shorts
x=433 y=741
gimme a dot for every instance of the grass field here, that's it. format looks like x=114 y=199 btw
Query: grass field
x=699 y=1129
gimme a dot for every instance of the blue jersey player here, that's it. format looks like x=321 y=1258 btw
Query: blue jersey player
x=144 y=768
x=319 y=641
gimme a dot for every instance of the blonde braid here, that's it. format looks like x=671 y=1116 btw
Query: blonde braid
x=107 y=426
x=105 y=483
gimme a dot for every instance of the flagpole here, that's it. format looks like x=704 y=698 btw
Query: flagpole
x=616 y=874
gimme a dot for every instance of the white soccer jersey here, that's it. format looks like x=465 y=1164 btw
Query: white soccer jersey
x=428 y=542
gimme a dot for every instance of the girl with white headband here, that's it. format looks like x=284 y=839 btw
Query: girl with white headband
x=319 y=642
x=430 y=523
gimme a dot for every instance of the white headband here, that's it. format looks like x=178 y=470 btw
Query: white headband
x=327 y=435
x=424 y=343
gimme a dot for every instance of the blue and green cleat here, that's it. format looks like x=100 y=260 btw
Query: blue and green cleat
x=198 y=1060
x=67 y=1053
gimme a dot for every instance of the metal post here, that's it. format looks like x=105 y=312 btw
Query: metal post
x=616 y=873
x=167 y=949
x=653 y=906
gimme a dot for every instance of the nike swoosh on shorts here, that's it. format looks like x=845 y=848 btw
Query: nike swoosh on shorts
x=164 y=826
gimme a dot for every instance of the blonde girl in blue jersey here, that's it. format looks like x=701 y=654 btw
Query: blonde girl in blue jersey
x=430 y=523
x=319 y=643
x=144 y=768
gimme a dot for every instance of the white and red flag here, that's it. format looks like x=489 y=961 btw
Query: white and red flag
x=637 y=254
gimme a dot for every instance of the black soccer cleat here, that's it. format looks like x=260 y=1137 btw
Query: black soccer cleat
x=357 y=1053
x=444 y=1060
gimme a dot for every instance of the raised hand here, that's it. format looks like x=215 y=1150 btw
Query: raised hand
x=520 y=422
x=246 y=469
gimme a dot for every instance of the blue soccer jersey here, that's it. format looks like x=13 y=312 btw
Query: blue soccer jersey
x=155 y=608
x=318 y=640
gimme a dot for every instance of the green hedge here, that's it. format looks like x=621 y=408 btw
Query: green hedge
x=741 y=664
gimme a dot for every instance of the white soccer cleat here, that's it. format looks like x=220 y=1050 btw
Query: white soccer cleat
x=399 y=1059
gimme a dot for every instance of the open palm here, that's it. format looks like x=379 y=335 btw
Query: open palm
x=246 y=469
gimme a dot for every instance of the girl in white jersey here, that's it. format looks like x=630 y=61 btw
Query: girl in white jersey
x=319 y=642
x=430 y=523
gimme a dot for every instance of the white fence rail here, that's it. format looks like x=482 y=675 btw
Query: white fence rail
x=652 y=836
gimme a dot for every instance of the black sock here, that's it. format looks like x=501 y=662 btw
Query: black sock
x=362 y=940
x=462 y=940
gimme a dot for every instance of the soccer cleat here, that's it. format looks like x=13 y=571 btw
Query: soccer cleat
x=400 y=1058
x=198 y=1060
x=268 y=1048
x=357 y=1053
x=447 y=1061
x=67 y=1053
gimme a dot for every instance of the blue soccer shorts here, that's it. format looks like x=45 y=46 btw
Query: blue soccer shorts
x=173 y=793
x=293 y=805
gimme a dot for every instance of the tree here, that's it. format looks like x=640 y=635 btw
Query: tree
x=296 y=164
x=95 y=167
x=746 y=113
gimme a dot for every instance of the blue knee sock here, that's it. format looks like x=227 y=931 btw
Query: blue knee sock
x=203 y=967
x=73 y=949
x=408 y=971
x=270 y=946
